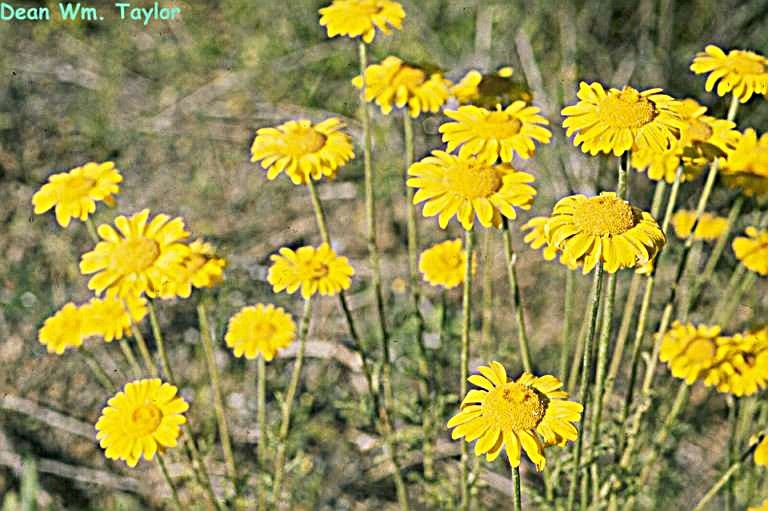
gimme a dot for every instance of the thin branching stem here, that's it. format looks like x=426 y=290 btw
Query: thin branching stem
x=169 y=481
x=735 y=467
x=466 y=309
x=517 y=301
x=565 y=348
x=516 y=493
x=261 y=422
x=101 y=375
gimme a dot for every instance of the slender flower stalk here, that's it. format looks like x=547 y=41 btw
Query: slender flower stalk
x=130 y=358
x=99 y=373
x=290 y=394
x=149 y=363
x=92 y=230
x=466 y=307
x=517 y=301
x=733 y=417
x=735 y=467
x=487 y=262
x=586 y=370
x=261 y=421
x=169 y=481
x=516 y=493
x=164 y=360
x=218 y=400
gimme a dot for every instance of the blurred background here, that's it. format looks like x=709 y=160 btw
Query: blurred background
x=176 y=105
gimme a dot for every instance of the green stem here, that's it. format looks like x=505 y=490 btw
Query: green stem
x=158 y=334
x=486 y=331
x=290 y=394
x=565 y=348
x=169 y=481
x=516 y=493
x=130 y=357
x=735 y=466
x=322 y=224
x=142 y=344
x=517 y=301
x=92 y=232
x=466 y=307
x=218 y=400
x=573 y=374
x=98 y=372
x=261 y=422
x=586 y=370
x=198 y=467
x=733 y=414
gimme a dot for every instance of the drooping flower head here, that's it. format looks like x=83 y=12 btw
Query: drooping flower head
x=703 y=139
x=709 y=228
x=495 y=134
x=202 y=268
x=443 y=264
x=603 y=229
x=466 y=187
x=743 y=73
x=74 y=194
x=527 y=413
x=302 y=150
x=260 y=330
x=746 y=166
x=314 y=270
x=616 y=121
x=356 y=18
x=397 y=83
x=111 y=317
x=140 y=257
x=65 y=329
x=691 y=351
x=752 y=250
x=490 y=90
x=145 y=416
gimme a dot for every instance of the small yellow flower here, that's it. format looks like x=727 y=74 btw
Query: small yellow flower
x=743 y=73
x=355 y=18
x=537 y=238
x=690 y=350
x=463 y=187
x=145 y=416
x=202 y=268
x=394 y=82
x=302 y=150
x=65 y=329
x=497 y=134
x=74 y=194
x=443 y=264
x=111 y=317
x=746 y=166
x=710 y=226
x=619 y=120
x=530 y=412
x=260 y=330
x=467 y=89
x=745 y=368
x=311 y=269
x=603 y=228
x=752 y=250
x=490 y=90
x=142 y=258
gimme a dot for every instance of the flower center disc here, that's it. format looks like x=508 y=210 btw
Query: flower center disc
x=409 y=77
x=698 y=131
x=473 y=179
x=499 y=125
x=317 y=270
x=452 y=261
x=627 y=109
x=746 y=63
x=604 y=215
x=368 y=8
x=135 y=255
x=76 y=187
x=304 y=141
x=145 y=419
x=515 y=407
x=700 y=350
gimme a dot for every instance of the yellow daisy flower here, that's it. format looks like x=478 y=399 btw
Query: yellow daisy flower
x=537 y=238
x=742 y=72
x=746 y=366
x=304 y=151
x=202 y=268
x=467 y=89
x=311 y=269
x=761 y=458
x=145 y=416
x=490 y=90
x=355 y=18
x=530 y=412
x=752 y=250
x=74 y=194
x=690 y=350
x=394 y=82
x=710 y=227
x=603 y=228
x=142 y=258
x=111 y=317
x=65 y=329
x=451 y=185
x=746 y=166
x=443 y=264
x=497 y=134
x=260 y=330
x=619 y=120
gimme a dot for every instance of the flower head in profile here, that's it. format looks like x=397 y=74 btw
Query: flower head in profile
x=444 y=264
x=65 y=329
x=745 y=368
x=490 y=90
x=302 y=150
x=743 y=73
x=146 y=416
x=397 y=83
x=470 y=186
x=141 y=256
x=260 y=330
x=616 y=121
x=752 y=250
x=537 y=237
x=691 y=351
x=361 y=18
x=74 y=194
x=495 y=135
x=709 y=228
x=202 y=268
x=314 y=270
x=746 y=166
x=526 y=413
x=603 y=229
x=111 y=317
